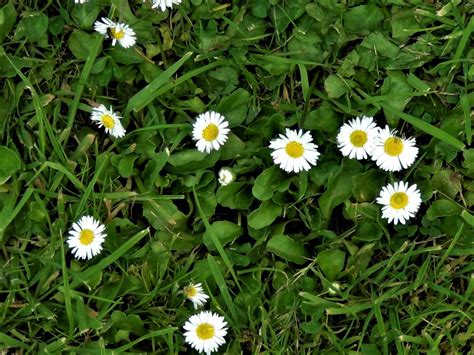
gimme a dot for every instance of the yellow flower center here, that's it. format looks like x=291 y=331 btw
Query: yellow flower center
x=399 y=200
x=358 y=138
x=190 y=291
x=205 y=331
x=393 y=146
x=86 y=237
x=210 y=132
x=108 y=121
x=294 y=149
x=117 y=34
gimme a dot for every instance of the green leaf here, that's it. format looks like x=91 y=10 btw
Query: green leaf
x=235 y=107
x=287 y=248
x=79 y=44
x=35 y=26
x=339 y=188
x=397 y=90
x=335 y=86
x=468 y=162
x=323 y=119
x=264 y=215
x=232 y=148
x=7 y=20
x=125 y=166
x=11 y=163
x=225 y=232
x=331 y=262
x=366 y=186
x=447 y=182
x=443 y=208
x=125 y=56
x=270 y=181
x=368 y=231
x=363 y=19
x=235 y=195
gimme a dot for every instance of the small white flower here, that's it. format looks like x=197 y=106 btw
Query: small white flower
x=195 y=294
x=295 y=151
x=393 y=153
x=86 y=237
x=356 y=138
x=226 y=176
x=205 y=331
x=109 y=120
x=163 y=4
x=80 y=1
x=210 y=131
x=400 y=202
x=120 y=32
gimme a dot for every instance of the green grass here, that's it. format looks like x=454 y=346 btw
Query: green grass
x=296 y=263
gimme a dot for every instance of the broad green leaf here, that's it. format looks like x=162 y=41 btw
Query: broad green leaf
x=363 y=19
x=447 y=182
x=235 y=195
x=79 y=44
x=366 y=186
x=9 y=163
x=331 y=262
x=468 y=162
x=35 y=26
x=339 y=188
x=335 y=86
x=224 y=230
x=397 y=90
x=264 y=215
x=287 y=248
x=323 y=119
x=368 y=231
x=7 y=20
x=443 y=208
x=235 y=107
x=270 y=181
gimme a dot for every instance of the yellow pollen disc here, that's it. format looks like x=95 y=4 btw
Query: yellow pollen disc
x=358 y=138
x=190 y=291
x=399 y=200
x=210 y=132
x=205 y=331
x=108 y=121
x=117 y=34
x=294 y=149
x=86 y=237
x=393 y=146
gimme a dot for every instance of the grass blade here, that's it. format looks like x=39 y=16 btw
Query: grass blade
x=103 y=263
x=215 y=240
x=150 y=92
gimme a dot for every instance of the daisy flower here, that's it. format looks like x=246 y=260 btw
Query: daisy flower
x=393 y=153
x=356 y=138
x=163 y=4
x=226 y=176
x=400 y=202
x=120 y=32
x=295 y=151
x=210 y=131
x=195 y=294
x=205 y=331
x=109 y=120
x=86 y=237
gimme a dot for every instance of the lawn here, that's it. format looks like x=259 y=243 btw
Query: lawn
x=288 y=233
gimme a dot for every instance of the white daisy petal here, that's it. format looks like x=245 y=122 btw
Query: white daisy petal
x=205 y=331
x=356 y=138
x=164 y=4
x=120 y=32
x=195 y=294
x=86 y=237
x=400 y=202
x=392 y=153
x=210 y=132
x=80 y=1
x=108 y=119
x=295 y=151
